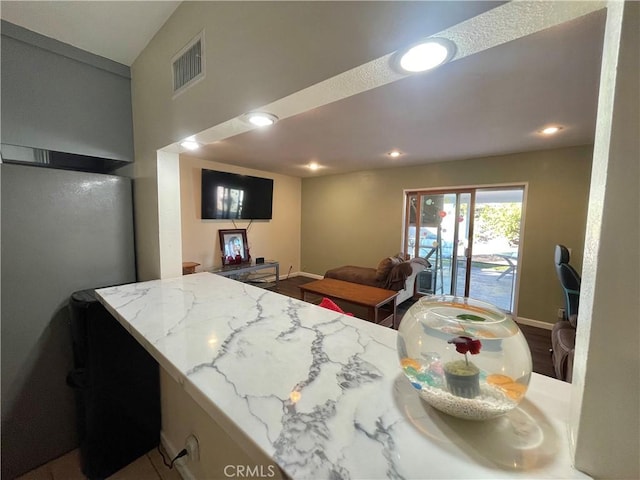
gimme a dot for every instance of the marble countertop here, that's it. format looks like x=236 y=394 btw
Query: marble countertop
x=322 y=393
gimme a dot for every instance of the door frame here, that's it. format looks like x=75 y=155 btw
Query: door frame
x=473 y=188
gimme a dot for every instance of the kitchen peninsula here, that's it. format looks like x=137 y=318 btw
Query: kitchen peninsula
x=321 y=394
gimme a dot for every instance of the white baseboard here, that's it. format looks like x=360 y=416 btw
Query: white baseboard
x=310 y=275
x=284 y=276
x=182 y=469
x=272 y=278
x=534 y=323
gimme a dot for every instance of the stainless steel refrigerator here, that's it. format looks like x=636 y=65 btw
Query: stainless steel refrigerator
x=62 y=231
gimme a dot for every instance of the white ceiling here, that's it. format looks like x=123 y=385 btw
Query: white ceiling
x=117 y=30
x=489 y=103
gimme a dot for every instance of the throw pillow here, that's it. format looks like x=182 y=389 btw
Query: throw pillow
x=398 y=275
x=331 y=305
x=384 y=267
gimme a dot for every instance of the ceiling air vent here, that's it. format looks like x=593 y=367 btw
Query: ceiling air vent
x=188 y=65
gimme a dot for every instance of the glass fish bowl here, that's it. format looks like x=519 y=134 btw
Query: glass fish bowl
x=464 y=357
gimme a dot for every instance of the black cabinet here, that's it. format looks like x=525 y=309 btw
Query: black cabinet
x=117 y=389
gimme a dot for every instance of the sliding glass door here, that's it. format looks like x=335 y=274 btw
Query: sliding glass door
x=471 y=239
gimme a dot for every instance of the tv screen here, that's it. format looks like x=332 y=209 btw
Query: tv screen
x=232 y=196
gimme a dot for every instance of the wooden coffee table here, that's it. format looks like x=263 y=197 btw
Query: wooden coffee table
x=371 y=297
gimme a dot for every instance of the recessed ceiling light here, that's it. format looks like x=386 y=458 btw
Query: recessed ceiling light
x=190 y=143
x=394 y=154
x=261 y=119
x=425 y=55
x=550 y=130
x=313 y=166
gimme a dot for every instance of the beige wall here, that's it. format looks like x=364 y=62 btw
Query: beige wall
x=357 y=218
x=285 y=44
x=276 y=239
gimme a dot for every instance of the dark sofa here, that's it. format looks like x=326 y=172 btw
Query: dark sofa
x=392 y=273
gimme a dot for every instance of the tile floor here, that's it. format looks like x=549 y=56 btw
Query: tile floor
x=67 y=467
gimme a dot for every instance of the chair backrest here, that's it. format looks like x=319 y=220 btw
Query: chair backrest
x=569 y=279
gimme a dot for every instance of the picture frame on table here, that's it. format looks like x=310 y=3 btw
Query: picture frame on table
x=234 y=247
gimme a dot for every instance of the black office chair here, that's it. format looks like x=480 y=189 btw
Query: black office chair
x=563 y=333
x=569 y=280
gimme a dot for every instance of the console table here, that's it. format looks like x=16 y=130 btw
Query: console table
x=245 y=272
x=371 y=297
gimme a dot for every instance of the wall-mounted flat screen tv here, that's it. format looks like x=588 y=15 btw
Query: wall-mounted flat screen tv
x=231 y=196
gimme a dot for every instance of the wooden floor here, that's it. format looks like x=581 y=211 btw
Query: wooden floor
x=539 y=339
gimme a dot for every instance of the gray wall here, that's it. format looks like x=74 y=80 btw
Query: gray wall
x=57 y=97
x=61 y=231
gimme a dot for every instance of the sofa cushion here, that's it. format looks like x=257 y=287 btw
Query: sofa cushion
x=354 y=274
